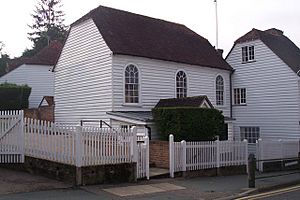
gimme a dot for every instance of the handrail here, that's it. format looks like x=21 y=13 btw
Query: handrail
x=90 y=120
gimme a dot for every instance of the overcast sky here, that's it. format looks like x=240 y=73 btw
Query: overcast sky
x=236 y=17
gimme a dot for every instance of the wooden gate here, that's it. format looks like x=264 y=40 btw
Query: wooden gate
x=143 y=158
x=11 y=137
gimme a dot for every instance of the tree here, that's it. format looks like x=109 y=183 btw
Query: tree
x=4 y=58
x=48 y=25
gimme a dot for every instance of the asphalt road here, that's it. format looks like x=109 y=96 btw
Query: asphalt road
x=288 y=193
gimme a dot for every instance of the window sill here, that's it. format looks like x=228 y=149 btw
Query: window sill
x=239 y=105
x=137 y=105
x=250 y=61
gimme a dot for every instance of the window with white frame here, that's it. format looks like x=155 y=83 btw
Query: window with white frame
x=250 y=133
x=181 y=84
x=125 y=126
x=239 y=96
x=131 y=84
x=219 y=90
x=247 y=53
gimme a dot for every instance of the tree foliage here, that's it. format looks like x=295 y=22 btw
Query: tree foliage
x=4 y=58
x=14 y=97
x=48 y=25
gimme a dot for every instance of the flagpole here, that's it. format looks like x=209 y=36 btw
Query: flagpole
x=217 y=29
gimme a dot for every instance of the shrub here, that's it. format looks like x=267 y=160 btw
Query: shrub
x=190 y=124
x=14 y=97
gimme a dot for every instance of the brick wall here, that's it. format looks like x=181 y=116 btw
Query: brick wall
x=41 y=113
x=159 y=153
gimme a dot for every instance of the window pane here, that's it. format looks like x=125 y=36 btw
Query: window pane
x=250 y=133
x=219 y=90
x=131 y=84
x=181 y=84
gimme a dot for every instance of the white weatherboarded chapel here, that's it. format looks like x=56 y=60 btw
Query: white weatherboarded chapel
x=266 y=89
x=36 y=72
x=115 y=66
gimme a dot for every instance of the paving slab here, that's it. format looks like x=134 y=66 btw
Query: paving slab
x=143 y=189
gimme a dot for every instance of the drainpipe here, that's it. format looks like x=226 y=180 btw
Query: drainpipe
x=230 y=87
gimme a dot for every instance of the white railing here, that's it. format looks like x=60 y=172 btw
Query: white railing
x=272 y=149
x=80 y=146
x=11 y=137
x=143 y=158
x=189 y=156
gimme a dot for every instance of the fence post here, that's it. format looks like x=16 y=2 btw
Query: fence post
x=260 y=154
x=147 y=158
x=218 y=156
x=282 y=153
x=22 y=131
x=298 y=160
x=183 y=146
x=246 y=155
x=251 y=174
x=171 y=155
x=78 y=154
x=134 y=144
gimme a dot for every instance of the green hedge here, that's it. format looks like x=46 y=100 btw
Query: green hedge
x=190 y=124
x=14 y=97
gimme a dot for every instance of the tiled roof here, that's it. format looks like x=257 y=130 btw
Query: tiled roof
x=49 y=100
x=47 y=56
x=137 y=35
x=281 y=45
x=195 y=101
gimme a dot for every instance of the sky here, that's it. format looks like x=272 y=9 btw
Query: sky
x=235 y=17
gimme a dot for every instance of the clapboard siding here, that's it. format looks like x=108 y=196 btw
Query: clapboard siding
x=39 y=77
x=157 y=81
x=83 y=76
x=272 y=93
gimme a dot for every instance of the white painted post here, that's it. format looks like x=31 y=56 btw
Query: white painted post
x=134 y=146
x=183 y=146
x=22 y=142
x=78 y=154
x=246 y=155
x=218 y=155
x=171 y=155
x=78 y=146
x=147 y=158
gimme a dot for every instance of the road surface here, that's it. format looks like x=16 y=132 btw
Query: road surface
x=288 y=193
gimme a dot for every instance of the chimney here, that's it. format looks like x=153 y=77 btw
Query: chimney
x=220 y=52
x=274 y=31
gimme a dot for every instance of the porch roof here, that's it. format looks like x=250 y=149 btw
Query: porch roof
x=141 y=116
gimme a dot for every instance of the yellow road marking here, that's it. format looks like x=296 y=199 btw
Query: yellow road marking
x=271 y=193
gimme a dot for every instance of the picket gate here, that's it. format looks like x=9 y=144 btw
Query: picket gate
x=11 y=137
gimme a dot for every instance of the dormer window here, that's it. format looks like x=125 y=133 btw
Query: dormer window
x=247 y=54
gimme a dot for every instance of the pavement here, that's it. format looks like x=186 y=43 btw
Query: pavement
x=19 y=185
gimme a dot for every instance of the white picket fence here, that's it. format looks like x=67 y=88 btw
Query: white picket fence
x=189 y=156
x=276 y=149
x=80 y=146
x=143 y=170
x=11 y=137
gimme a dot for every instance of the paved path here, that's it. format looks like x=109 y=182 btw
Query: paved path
x=12 y=181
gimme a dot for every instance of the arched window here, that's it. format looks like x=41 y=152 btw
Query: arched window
x=131 y=84
x=219 y=90
x=181 y=84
